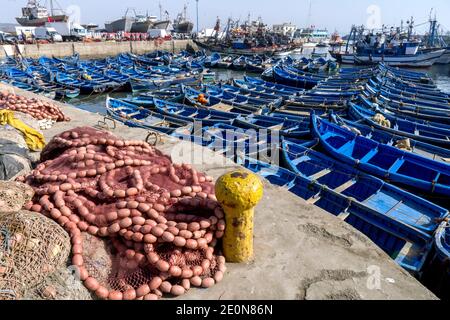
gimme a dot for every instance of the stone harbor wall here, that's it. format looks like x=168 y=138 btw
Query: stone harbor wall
x=96 y=49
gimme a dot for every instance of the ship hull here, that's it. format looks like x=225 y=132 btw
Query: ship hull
x=183 y=27
x=41 y=22
x=141 y=27
x=268 y=51
x=445 y=59
x=163 y=25
x=123 y=24
x=413 y=61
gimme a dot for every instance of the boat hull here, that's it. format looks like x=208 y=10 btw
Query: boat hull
x=123 y=24
x=183 y=27
x=414 y=61
x=41 y=22
x=141 y=26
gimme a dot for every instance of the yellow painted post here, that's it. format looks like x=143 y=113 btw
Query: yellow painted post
x=239 y=192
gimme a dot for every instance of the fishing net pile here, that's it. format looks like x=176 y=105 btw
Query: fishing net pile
x=381 y=120
x=38 y=109
x=31 y=246
x=158 y=221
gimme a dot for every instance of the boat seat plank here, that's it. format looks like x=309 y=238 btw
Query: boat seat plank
x=369 y=155
x=314 y=199
x=397 y=164
x=406 y=250
x=345 y=186
x=344 y=215
x=320 y=174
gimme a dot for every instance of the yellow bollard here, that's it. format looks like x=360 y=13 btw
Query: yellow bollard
x=239 y=192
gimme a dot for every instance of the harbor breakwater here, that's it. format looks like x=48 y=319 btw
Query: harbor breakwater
x=96 y=49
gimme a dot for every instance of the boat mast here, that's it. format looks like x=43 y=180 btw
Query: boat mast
x=309 y=14
x=51 y=8
x=432 y=37
x=197 y=16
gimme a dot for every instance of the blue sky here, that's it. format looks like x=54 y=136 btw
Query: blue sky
x=332 y=14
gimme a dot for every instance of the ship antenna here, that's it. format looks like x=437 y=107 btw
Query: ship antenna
x=197 y=17
x=309 y=13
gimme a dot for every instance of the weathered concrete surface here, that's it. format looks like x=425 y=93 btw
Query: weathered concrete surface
x=97 y=49
x=301 y=251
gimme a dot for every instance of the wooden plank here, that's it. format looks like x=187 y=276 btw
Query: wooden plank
x=314 y=199
x=345 y=186
x=343 y=215
x=396 y=165
x=406 y=248
x=320 y=174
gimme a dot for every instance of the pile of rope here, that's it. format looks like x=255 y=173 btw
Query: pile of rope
x=381 y=120
x=40 y=110
x=404 y=144
x=160 y=220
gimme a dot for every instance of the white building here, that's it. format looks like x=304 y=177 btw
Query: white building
x=284 y=29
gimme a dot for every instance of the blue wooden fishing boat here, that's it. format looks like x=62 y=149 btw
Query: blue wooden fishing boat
x=390 y=87
x=418 y=147
x=162 y=82
x=29 y=87
x=226 y=62
x=70 y=60
x=384 y=161
x=208 y=117
x=239 y=64
x=249 y=87
x=283 y=126
x=131 y=58
x=356 y=197
x=429 y=132
x=135 y=116
x=212 y=60
x=15 y=74
x=221 y=93
x=274 y=86
x=225 y=102
x=413 y=101
x=410 y=75
x=403 y=109
x=85 y=86
x=265 y=96
x=282 y=76
x=256 y=65
x=233 y=142
x=61 y=92
x=441 y=259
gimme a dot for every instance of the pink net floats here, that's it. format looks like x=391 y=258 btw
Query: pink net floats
x=160 y=221
x=36 y=108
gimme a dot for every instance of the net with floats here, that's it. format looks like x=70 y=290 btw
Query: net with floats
x=158 y=222
x=31 y=248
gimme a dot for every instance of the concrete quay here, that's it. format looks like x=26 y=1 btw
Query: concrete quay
x=96 y=49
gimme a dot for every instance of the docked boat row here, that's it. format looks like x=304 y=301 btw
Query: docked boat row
x=394 y=47
x=362 y=162
x=72 y=76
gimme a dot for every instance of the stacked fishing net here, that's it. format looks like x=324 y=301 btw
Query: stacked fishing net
x=160 y=221
x=31 y=246
x=40 y=110
x=381 y=120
